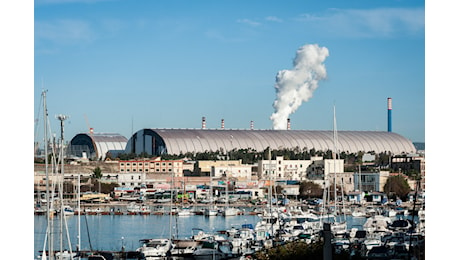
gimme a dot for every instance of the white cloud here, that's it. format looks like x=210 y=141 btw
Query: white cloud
x=249 y=22
x=64 y=31
x=273 y=19
x=369 y=23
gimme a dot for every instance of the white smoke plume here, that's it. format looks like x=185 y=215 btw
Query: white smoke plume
x=298 y=84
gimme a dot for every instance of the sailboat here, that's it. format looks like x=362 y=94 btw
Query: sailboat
x=63 y=253
x=153 y=248
x=229 y=211
x=211 y=210
x=337 y=227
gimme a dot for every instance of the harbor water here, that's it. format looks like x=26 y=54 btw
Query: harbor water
x=112 y=232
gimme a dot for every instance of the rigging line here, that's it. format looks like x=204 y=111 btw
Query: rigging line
x=87 y=231
x=37 y=126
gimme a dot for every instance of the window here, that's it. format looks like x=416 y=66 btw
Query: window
x=128 y=164
x=146 y=170
x=134 y=164
x=122 y=170
x=122 y=164
x=127 y=170
x=132 y=177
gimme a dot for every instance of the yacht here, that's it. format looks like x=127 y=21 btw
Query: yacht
x=155 y=247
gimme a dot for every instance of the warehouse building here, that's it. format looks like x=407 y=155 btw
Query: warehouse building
x=95 y=146
x=180 y=141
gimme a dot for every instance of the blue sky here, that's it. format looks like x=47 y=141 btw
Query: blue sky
x=128 y=65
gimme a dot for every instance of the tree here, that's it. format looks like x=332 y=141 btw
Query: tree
x=97 y=174
x=310 y=190
x=397 y=186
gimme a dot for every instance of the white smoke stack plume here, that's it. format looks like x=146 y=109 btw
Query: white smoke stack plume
x=298 y=84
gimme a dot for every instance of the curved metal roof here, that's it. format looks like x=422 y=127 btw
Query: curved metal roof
x=98 y=144
x=176 y=141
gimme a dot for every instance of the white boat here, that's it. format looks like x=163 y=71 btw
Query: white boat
x=358 y=213
x=184 y=247
x=377 y=223
x=155 y=247
x=231 y=211
x=211 y=211
x=185 y=212
x=68 y=211
x=65 y=255
x=209 y=250
x=134 y=208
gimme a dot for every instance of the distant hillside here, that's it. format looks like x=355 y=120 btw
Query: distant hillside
x=419 y=146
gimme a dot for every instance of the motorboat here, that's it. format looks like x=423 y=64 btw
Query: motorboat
x=155 y=247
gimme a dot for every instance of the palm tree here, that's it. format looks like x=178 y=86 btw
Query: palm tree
x=97 y=174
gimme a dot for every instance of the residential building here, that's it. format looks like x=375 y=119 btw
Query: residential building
x=154 y=166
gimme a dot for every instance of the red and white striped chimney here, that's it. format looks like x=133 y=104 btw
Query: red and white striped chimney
x=222 y=124
x=252 y=125
x=288 y=124
x=203 y=123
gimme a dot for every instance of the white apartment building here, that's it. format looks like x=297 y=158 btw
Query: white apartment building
x=241 y=172
x=315 y=169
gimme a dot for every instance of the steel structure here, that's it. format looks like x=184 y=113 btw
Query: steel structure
x=96 y=145
x=177 y=141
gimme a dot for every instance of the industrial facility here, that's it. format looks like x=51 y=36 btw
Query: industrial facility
x=181 y=141
x=96 y=145
x=159 y=142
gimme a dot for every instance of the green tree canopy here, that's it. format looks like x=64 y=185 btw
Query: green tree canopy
x=97 y=173
x=397 y=186
x=310 y=190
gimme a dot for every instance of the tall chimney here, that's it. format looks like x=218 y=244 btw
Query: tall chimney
x=252 y=125
x=203 y=123
x=222 y=124
x=390 y=107
x=288 y=124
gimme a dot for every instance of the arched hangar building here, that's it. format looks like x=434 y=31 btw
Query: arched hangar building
x=177 y=141
x=96 y=145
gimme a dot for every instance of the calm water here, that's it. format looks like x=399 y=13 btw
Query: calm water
x=110 y=232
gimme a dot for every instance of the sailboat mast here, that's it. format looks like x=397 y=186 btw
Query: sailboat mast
x=78 y=220
x=48 y=210
x=334 y=160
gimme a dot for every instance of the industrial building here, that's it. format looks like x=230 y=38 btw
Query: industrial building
x=95 y=146
x=181 y=141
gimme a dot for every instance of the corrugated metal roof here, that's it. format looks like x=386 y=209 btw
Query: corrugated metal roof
x=176 y=141
x=100 y=143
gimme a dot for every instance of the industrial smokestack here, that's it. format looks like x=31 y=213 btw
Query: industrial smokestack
x=288 y=124
x=390 y=107
x=252 y=125
x=203 y=123
x=222 y=124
